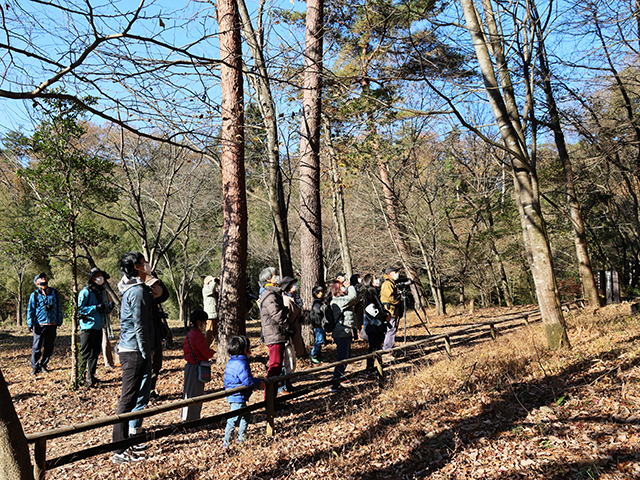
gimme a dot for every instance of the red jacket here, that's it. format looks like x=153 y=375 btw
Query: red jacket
x=199 y=345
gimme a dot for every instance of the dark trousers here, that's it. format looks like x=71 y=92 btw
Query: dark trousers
x=156 y=366
x=376 y=338
x=90 y=347
x=43 y=338
x=134 y=368
x=343 y=350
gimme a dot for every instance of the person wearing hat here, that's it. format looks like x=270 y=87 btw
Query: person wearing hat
x=93 y=310
x=44 y=316
x=390 y=299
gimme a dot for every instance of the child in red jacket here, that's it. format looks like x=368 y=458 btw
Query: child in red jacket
x=195 y=351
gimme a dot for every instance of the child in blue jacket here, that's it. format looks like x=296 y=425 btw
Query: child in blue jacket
x=237 y=373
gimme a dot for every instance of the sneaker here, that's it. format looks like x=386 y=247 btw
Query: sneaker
x=345 y=383
x=141 y=447
x=316 y=360
x=337 y=388
x=35 y=370
x=44 y=369
x=126 y=457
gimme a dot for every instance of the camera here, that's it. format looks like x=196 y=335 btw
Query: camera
x=405 y=282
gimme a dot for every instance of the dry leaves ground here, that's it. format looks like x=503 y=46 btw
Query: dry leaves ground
x=504 y=409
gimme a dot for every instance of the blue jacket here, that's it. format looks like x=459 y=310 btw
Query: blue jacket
x=44 y=309
x=90 y=318
x=137 y=330
x=236 y=374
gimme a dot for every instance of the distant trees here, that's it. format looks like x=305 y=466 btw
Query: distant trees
x=66 y=183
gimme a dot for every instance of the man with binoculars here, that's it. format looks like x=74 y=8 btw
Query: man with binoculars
x=44 y=315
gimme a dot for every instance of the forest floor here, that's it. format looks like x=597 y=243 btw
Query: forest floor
x=504 y=409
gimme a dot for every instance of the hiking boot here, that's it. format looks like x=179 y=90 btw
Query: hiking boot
x=44 y=369
x=316 y=360
x=35 y=370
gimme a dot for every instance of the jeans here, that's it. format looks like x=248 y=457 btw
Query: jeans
x=134 y=370
x=316 y=351
x=243 y=419
x=343 y=350
x=43 y=338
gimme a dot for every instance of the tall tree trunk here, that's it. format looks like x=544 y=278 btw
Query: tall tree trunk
x=75 y=381
x=20 y=302
x=398 y=236
x=233 y=280
x=337 y=203
x=260 y=83
x=311 y=262
x=15 y=463
x=504 y=284
x=534 y=229
x=580 y=236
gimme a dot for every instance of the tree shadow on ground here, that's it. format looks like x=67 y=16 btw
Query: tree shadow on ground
x=432 y=453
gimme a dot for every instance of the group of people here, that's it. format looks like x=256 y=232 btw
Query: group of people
x=365 y=307
x=337 y=311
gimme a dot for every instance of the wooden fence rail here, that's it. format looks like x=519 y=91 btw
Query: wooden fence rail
x=39 y=439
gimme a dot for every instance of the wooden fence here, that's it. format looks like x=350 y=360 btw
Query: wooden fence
x=436 y=342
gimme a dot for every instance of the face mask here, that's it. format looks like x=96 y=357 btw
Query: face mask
x=294 y=287
x=376 y=282
x=276 y=281
x=98 y=280
x=395 y=276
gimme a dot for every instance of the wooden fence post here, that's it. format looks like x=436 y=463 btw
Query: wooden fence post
x=447 y=346
x=40 y=459
x=492 y=329
x=379 y=370
x=270 y=400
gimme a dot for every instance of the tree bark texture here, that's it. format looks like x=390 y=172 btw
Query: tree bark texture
x=534 y=230
x=311 y=261
x=15 y=463
x=234 y=244
x=338 y=203
x=260 y=83
x=580 y=237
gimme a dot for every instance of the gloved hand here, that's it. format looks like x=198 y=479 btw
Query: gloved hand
x=30 y=329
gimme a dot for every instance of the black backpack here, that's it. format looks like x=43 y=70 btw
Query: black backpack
x=328 y=320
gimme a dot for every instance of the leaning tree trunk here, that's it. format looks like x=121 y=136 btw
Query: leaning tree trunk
x=15 y=463
x=579 y=234
x=233 y=280
x=534 y=229
x=398 y=236
x=260 y=83
x=311 y=262
x=337 y=203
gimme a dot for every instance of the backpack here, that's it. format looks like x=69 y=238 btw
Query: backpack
x=328 y=320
